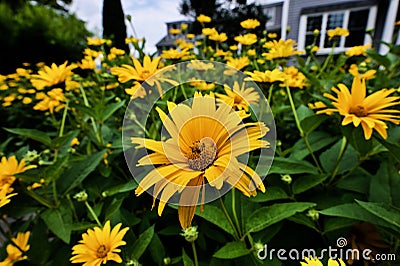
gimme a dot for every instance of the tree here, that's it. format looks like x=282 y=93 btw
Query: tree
x=114 y=27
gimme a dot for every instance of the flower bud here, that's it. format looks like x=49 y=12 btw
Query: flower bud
x=190 y=234
x=81 y=196
x=287 y=179
x=313 y=214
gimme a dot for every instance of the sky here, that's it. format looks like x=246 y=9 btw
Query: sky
x=148 y=17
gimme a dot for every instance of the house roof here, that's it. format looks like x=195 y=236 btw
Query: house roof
x=335 y=6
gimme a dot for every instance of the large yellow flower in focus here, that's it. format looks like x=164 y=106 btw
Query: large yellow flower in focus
x=369 y=111
x=49 y=76
x=99 y=245
x=15 y=254
x=204 y=145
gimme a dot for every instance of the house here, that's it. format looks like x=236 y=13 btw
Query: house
x=168 y=41
x=297 y=20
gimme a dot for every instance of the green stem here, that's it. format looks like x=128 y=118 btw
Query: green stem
x=302 y=135
x=86 y=102
x=93 y=214
x=343 y=148
x=63 y=119
x=234 y=212
x=229 y=218
x=328 y=59
x=196 y=262
x=270 y=93
x=71 y=205
x=183 y=92
x=54 y=187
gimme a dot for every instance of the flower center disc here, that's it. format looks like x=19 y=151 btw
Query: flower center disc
x=102 y=251
x=202 y=154
x=359 y=111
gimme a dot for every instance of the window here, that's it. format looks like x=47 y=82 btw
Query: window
x=271 y=14
x=356 y=20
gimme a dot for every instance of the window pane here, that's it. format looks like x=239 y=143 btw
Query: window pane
x=357 y=26
x=310 y=39
x=314 y=23
x=335 y=20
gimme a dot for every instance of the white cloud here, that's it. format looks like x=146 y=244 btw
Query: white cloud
x=148 y=16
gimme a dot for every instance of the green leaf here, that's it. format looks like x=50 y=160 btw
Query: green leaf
x=380 y=59
x=157 y=250
x=32 y=134
x=358 y=181
x=300 y=218
x=64 y=141
x=79 y=171
x=142 y=243
x=385 y=185
x=270 y=215
x=289 y=166
x=187 y=261
x=383 y=211
x=335 y=223
x=113 y=208
x=110 y=109
x=393 y=148
x=271 y=193
x=310 y=123
x=87 y=110
x=59 y=221
x=329 y=158
x=356 y=212
x=215 y=216
x=303 y=112
x=306 y=182
x=232 y=250
x=128 y=186
x=318 y=140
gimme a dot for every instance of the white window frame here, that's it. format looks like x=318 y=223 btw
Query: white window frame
x=340 y=48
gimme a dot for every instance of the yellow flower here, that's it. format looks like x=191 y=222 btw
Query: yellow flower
x=233 y=47
x=203 y=19
x=220 y=52
x=250 y=24
x=294 y=78
x=4 y=196
x=317 y=105
x=280 y=49
x=201 y=84
x=317 y=262
x=272 y=35
x=358 y=50
x=53 y=99
x=95 y=41
x=138 y=71
x=116 y=51
x=7 y=101
x=184 y=26
x=218 y=37
x=239 y=98
x=238 y=63
x=98 y=246
x=52 y=76
x=247 y=39
x=174 y=31
x=74 y=142
x=91 y=53
x=10 y=167
x=337 y=32
x=369 y=111
x=204 y=145
x=131 y=40
x=369 y=74
x=314 y=49
x=136 y=91
x=200 y=65
x=209 y=31
x=251 y=52
x=190 y=36
x=87 y=63
x=26 y=100
x=174 y=54
x=267 y=76
x=15 y=254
